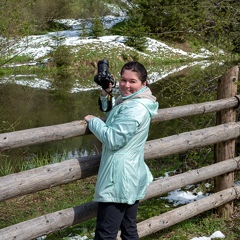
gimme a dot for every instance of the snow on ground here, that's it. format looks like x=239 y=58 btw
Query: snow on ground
x=34 y=81
x=180 y=197
x=38 y=46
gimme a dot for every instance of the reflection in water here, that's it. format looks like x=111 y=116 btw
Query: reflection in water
x=24 y=107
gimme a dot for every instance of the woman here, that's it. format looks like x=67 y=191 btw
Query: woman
x=123 y=176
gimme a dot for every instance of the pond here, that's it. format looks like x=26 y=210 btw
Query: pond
x=34 y=101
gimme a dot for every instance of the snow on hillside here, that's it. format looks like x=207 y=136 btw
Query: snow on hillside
x=38 y=46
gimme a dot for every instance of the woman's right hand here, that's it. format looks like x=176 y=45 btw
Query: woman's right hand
x=89 y=117
x=105 y=92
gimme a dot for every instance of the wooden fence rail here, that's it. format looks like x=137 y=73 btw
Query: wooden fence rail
x=180 y=214
x=61 y=173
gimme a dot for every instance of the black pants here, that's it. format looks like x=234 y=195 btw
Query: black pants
x=112 y=216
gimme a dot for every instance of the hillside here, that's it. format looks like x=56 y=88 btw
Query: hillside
x=38 y=47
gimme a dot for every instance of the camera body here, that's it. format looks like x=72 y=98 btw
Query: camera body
x=104 y=77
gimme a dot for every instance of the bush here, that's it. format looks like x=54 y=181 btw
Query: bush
x=97 y=28
x=62 y=56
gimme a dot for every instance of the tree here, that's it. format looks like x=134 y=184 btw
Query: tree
x=97 y=28
x=215 y=22
x=164 y=18
x=220 y=22
x=14 y=23
x=45 y=12
x=84 y=31
x=89 y=9
x=20 y=18
x=135 y=31
x=14 y=20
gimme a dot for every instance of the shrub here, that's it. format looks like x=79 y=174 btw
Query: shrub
x=62 y=56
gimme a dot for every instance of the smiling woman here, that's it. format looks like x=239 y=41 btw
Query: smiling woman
x=123 y=175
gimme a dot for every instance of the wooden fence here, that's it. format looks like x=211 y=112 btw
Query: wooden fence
x=223 y=136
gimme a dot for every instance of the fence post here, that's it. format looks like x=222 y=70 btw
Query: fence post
x=227 y=87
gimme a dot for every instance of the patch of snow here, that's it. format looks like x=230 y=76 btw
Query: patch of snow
x=179 y=197
x=23 y=80
x=78 y=238
x=215 y=235
x=156 y=76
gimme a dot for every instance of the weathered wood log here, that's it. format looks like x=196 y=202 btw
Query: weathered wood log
x=49 y=223
x=60 y=173
x=42 y=134
x=62 y=219
x=48 y=176
x=195 y=109
x=190 y=210
x=77 y=128
x=190 y=140
x=227 y=87
x=165 y=185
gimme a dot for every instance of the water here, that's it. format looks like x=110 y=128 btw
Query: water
x=34 y=101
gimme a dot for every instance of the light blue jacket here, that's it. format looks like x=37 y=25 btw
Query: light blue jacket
x=123 y=176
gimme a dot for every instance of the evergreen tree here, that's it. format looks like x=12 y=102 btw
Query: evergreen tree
x=135 y=31
x=220 y=22
x=97 y=28
x=84 y=31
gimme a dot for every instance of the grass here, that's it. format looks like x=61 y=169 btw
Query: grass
x=26 y=164
x=6 y=168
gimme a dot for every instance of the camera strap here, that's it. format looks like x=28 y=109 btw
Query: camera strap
x=109 y=93
x=109 y=102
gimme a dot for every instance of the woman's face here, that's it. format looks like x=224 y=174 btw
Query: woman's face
x=130 y=83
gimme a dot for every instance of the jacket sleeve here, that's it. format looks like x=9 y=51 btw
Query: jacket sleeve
x=121 y=130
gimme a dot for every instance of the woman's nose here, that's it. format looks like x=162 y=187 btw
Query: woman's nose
x=127 y=84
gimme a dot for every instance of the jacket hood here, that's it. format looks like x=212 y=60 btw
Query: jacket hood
x=144 y=96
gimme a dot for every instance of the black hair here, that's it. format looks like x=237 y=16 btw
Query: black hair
x=138 y=68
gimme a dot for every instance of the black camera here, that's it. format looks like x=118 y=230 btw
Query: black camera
x=104 y=77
